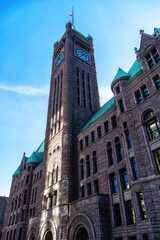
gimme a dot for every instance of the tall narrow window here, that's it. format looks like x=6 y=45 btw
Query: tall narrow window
x=99 y=132
x=25 y=197
x=96 y=186
x=117 y=215
x=152 y=125
x=127 y=135
x=155 y=55
x=83 y=89
x=81 y=169
x=57 y=174
x=145 y=92
x=55 y=198
x=81 y=144
x=141 y=206
x=129 y=212
x=82 y=192
x=87 y=166
x=89 y=191
x=94 y=160
x=35 y=197
x=89 y=91
x=20 y=234
x=113 y=182
x=78 y=87
x=86 y=141
x=156 y=80
x=106 y=127
x=121 y=106
x=118 y=149
x=138 y=96
x=114 y=121
x=134 y=168
x=92 y=136
x=117 y=90
x=110 y=154
x=156 y=154
x=149 y=60
x=124 y=179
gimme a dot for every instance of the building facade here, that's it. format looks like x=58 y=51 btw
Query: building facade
x=97 y=174
x=3 y=207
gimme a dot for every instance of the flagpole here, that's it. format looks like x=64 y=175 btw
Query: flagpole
x=73 y=16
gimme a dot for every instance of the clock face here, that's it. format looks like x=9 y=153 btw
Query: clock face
x=82 y=55
x=59 y=59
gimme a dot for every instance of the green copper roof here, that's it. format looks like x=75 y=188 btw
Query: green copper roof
x=100 y=113
x=134 y=70
x=120 y=74
x=17 y=171
x=36 y=157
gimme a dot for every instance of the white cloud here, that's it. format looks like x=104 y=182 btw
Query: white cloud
x=105 y=94
x=24 y=90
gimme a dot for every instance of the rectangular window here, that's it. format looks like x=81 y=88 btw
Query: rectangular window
x=119 y=152
x=89 y=192
x=99 y=132
x=110 y=156
x=114 y=121
x=27 y=179
x=124 y=179
x=138 y=96
x=156 y=80
x=92 y=136
x=149 y=60
x=81 y=169
x=128 y=138
x=145 y=92
x=81 y=144
x=106 y=127
x=113 y=182
x=82 y=192
x=55 y=198
x=86 y=140
x=96 y=186
x=88 y=172
x=117 y=215
x=129 y=212
x=117 y=90
x=134 y=168
x=121 y=105
x=156 y=154
x=155 y=55
x=141 y=206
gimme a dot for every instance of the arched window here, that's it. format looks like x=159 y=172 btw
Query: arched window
x=118 y=149
x=81 y=169
x=82 y=234
x=151 y=125
x=94 y=161
x=110 y=154
x=88 y=172
x=127 y=135
x=49 y=236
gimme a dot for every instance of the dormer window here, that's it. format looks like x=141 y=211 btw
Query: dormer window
x=152 y=58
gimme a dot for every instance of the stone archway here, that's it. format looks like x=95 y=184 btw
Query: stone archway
x=81 y=228
x=48 y=236
x=81 y=234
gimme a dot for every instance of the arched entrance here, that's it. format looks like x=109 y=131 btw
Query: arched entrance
x=49 y=236
x=82 y=234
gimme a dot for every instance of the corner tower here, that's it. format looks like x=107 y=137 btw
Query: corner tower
x=73 y=99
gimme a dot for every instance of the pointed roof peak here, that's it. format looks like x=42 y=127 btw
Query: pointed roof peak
x=120 y=73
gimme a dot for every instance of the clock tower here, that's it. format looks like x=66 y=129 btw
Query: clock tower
x=73 y=99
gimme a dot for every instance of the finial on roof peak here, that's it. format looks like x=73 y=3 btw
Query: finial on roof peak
x=141 y=31
x=156 y=31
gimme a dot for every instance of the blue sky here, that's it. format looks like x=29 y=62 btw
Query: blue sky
x=28 y=30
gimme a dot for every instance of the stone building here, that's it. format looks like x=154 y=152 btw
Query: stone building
x=97 y=174
x=3 y=207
